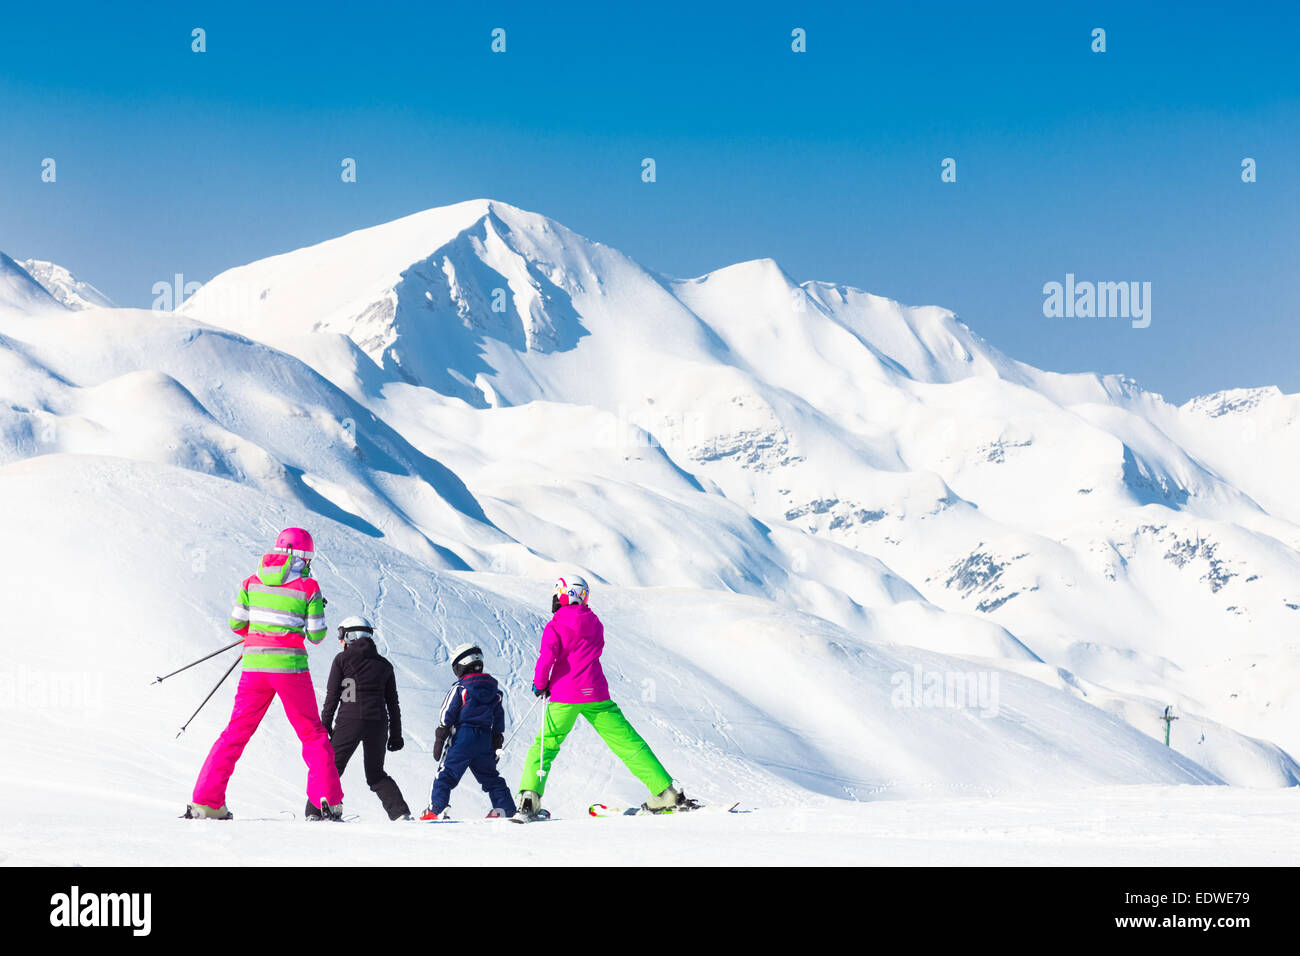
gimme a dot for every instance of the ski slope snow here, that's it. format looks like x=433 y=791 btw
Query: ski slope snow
x=84 y=728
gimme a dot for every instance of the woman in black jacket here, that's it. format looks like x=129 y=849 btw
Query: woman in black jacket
x=364 y=691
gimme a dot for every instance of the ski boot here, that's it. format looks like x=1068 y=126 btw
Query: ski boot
x=496 y=813
x=530 y=808
x=671 y=800
x=431 y=815
x=334 y=814
x=198 y=811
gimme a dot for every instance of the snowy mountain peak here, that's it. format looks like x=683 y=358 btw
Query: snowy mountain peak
x=22 y=293
x=1232 y=401
x=65 y=287
x=463 y=299
x=765 y=270
x=484 y=301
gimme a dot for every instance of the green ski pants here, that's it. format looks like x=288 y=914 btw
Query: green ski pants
x=608 y=721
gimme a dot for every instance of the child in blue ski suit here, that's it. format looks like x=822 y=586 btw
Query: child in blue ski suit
x=471 y=729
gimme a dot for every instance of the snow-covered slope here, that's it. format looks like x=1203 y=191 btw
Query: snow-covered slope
x=738 y=696
x=153 y=387
x=163 y=388
x=743 y=701
x=64 y=286
x=1249 y=436
x=19 y=292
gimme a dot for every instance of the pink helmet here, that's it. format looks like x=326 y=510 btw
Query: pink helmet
x=297 y=542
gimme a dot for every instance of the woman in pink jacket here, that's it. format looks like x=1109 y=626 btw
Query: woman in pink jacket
x=569 y=675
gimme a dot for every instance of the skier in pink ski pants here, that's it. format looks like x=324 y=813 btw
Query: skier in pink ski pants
x=277 y=608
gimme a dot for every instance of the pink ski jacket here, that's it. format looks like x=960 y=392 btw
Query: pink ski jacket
x=569 y=663
x=275 y=610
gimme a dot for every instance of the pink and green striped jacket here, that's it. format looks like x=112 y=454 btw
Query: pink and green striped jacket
x=276 y=609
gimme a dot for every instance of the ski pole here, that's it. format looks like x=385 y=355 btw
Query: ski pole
x=541 y=742
x=520 y=726
x=209 y=697
x=220 y=650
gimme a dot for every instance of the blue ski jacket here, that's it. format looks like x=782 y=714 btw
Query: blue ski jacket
x=475 y=701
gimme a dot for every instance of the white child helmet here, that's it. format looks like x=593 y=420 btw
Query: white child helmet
x=467 y=659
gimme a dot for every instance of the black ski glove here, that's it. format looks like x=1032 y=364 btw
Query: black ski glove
x=538 y=692
x=497 y=741
x=396 y=743
x=439 y=741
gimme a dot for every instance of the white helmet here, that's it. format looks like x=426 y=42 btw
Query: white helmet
x=569 y=590
x=354 y=627
x=467 y=659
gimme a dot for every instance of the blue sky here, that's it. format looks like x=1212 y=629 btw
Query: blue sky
x=1122 y=166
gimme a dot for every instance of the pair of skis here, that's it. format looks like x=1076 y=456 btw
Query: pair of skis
x=601 y=810
x=280 y=819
